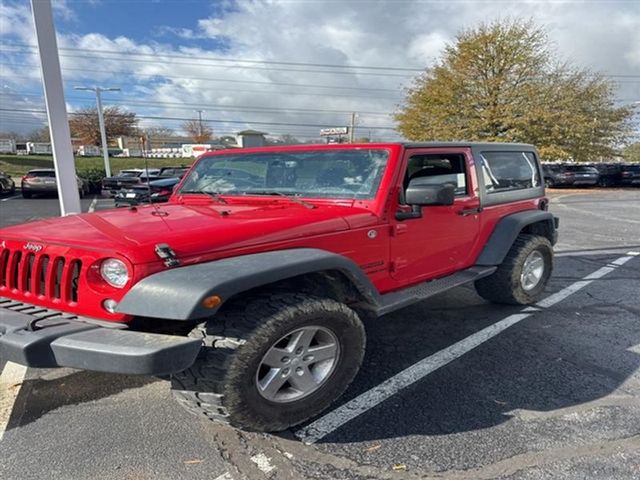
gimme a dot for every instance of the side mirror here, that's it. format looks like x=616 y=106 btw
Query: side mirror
x=422 y=191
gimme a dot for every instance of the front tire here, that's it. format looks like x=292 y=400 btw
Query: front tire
x=522 y=276
x=242 y=346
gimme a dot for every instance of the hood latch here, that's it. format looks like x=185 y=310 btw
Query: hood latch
x=165 y=252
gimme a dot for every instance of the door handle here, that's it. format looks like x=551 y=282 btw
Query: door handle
x=469 y=211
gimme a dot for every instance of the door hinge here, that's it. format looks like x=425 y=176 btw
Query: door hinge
x=397 y=265
x=398 y=229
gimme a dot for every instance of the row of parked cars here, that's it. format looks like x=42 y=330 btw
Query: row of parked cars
x=136 y=186
x=128 y=187
x=591 y=174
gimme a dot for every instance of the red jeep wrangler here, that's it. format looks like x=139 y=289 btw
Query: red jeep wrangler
x=249 y=287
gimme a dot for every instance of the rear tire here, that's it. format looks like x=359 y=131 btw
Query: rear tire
x=512 y=283
x=26 y=194
x=223 y=384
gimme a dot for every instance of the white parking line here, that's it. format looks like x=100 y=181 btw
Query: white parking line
x=92 y=206
x=333 y=420
x=224 y=476
x=263 y=462
x=9 y=198
x=584 y=253
x=10 y=382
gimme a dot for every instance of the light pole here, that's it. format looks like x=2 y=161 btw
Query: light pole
x=56 y=109
x=103 y=133
x=352 y=127
x=200 y=122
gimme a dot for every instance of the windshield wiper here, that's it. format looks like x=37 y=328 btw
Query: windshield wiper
x=280 y=194
x=216 y=196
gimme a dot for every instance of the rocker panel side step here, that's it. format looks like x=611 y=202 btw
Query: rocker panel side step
x=402 y=298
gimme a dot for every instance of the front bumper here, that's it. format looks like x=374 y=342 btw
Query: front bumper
x=63 y=340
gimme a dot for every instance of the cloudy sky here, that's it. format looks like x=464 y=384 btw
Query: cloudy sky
x=281 y=66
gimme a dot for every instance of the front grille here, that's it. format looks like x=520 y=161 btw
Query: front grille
x=52 y=277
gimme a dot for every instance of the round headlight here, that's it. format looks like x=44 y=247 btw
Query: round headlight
x=114 y=272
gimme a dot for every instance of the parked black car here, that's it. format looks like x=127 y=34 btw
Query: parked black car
x=160 y=191
x=583 y=175
x=557 y=175
x=610 y=173
x=7 y=185
x=630 y=174
x=127 y=178
x=132 y=177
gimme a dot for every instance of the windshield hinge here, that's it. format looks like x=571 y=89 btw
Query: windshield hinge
x=165 y=252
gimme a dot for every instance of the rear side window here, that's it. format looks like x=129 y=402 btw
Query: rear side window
x=508 y=171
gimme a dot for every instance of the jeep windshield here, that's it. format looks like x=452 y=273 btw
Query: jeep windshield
x=350 y=174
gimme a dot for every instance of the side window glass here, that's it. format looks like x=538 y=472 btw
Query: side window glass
x=438 y=169
x=507 y=171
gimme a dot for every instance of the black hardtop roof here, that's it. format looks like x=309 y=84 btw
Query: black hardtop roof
x=493 y=145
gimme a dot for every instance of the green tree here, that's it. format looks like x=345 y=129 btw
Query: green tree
x=631 y=153
x=501 y=82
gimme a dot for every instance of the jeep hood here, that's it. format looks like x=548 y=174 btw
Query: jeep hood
x=190 y=230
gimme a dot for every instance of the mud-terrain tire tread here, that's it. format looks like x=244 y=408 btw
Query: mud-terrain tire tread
x=503 y=286
x=204 y=388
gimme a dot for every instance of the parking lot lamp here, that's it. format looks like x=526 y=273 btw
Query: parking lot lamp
x=103 y=133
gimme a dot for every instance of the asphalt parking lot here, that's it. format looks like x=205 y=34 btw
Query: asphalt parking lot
x=547 y=392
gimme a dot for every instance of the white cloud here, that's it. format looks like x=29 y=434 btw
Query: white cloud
x=405 y=34
x=426 y=47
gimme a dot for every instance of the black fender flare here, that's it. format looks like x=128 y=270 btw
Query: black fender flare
x=508 y=228
x=178 y=293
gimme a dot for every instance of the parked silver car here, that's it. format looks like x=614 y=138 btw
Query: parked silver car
x=43 y=180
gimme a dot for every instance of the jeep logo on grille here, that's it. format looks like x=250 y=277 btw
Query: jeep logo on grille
x=34 y=247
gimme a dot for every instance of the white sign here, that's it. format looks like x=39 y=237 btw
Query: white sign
x=194 y=149
x=327 y=132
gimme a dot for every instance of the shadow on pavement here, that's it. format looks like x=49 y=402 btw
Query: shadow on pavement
x=40 y=396
x=577 y=352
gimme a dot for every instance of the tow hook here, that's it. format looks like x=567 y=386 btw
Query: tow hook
x=165 y=252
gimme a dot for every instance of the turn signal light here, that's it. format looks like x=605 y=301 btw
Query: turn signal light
x=110 y=305
x=211 y=302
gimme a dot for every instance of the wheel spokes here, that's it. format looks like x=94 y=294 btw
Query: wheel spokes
x=301 y=339
x=302 y=379
x=271 y=384
x=322 y=352
x=298 y=364
x=276 y=357
x=532 y=270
